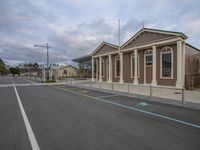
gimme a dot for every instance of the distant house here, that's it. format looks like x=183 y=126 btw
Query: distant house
x=84 y=63
x=151 y=56
x=67 y=71
x=62 y=72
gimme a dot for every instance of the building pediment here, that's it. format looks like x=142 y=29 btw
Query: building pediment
x=146 y=35
x=104 y=48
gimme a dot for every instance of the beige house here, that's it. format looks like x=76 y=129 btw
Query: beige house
x=151 y=56
x=67 y=71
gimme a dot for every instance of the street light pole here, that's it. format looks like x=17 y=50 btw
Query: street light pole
x=47 y=55
x=47 y=47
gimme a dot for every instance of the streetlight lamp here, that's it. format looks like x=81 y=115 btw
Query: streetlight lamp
x=47 y=47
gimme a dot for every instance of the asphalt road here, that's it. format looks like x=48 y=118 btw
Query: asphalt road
x=64 y=117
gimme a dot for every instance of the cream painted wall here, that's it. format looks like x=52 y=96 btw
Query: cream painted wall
x=67 y=71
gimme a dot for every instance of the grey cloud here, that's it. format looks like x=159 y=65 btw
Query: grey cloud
x=24 y=23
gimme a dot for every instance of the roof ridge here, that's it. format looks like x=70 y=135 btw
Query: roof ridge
x=153 y=30
x=102 y=43
x=109 y=43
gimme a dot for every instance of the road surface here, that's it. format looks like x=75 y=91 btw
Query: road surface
x=61 y=117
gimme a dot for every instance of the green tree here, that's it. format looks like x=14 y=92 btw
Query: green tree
x=14 y=71
x=3 y=69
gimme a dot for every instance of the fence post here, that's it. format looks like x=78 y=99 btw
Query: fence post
x=183 y=95
x=128 y=89
x=151 y=92
x=44 y=75
x=90 y=83
x=112 y=86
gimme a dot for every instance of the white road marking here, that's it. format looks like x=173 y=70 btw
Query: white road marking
x=31 y=135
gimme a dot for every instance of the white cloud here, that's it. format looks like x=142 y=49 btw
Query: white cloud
x=74 y=28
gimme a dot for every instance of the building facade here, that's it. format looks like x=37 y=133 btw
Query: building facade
x=151 y=56
x=67 y=71
x=84 y=66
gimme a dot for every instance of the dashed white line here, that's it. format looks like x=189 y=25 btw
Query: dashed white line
x=33 y=141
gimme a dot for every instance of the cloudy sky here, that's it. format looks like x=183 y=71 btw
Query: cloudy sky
x=75 y=27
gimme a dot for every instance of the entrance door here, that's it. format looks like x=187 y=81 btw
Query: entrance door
x=148 y=66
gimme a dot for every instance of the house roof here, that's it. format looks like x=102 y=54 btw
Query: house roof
x=82 y=58
x=62 y=67
x=154 y=31
x=102 y=44
x=192 y=47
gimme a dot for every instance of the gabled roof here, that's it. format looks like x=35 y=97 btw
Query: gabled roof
x=62 y=67
x=102 y=44
x=154 y=31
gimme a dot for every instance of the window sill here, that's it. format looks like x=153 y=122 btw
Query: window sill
x=168 y=78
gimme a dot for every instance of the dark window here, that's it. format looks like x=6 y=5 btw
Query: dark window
x=148 y=60
x=166 y=64
x=102 y=68
x=117 y=67
x=133 y=66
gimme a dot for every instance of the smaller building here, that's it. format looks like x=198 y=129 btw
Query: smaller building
x=84 y=66
x=63 y=72
x=67 y=71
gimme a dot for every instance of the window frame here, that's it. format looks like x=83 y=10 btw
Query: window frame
x=148 y=53
x=116 y=59
x=163 y=51
x=102 y=68
x=107 y=68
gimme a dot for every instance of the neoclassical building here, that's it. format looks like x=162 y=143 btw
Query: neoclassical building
x=151 y=56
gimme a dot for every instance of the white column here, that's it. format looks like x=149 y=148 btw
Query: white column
x=92 y=69
x=179 y=65
x=97 y=69
x=154 y=81
x=100 y=69
x=121 y=68
x=110 y=68
x=135 y=67
x=183 y=64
